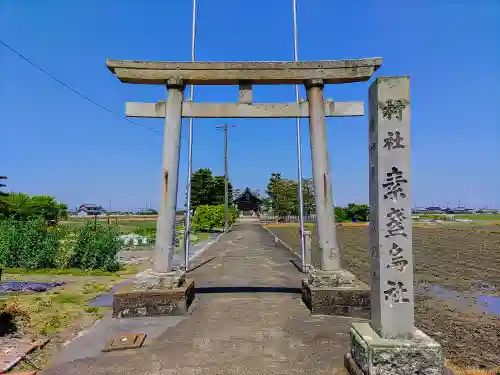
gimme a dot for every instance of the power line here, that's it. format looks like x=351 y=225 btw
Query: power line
x=76 y=91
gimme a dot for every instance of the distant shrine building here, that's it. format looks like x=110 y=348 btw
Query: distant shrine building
x=248 y=203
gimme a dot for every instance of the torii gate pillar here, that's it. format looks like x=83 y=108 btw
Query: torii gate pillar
x=329 y=257
x=165 y=229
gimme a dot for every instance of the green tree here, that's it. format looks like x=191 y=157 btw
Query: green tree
x=207 y=189
x=21 y=206
x=18 y=206
x=283 y=194
x=201 y=187
x=219 y=189
x=308 y=196
x=284 y=197
x=47 y=207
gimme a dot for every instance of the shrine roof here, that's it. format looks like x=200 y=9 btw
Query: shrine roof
x=252 y=196
x=257 y=72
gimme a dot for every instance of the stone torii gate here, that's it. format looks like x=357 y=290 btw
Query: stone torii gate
x=313 y=74
x=390 y=343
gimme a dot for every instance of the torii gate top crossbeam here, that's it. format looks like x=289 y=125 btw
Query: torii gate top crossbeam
x=230 y=73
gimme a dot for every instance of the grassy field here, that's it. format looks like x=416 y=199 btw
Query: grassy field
x=126 y=224
x=464 y=262
x=475 y=217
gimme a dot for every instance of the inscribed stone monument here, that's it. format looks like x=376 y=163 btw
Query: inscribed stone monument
x=391 y=344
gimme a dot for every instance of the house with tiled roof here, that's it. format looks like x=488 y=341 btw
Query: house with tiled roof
x=91 y=210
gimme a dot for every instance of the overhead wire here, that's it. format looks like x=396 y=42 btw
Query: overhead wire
x=74 y=90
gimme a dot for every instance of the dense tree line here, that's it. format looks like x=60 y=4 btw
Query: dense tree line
x=283 y=200
x=20 y=206
x=282 y=196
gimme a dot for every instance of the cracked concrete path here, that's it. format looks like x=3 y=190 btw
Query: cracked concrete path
x=249 y=319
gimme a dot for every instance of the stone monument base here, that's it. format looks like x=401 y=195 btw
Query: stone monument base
x=153 y=294
x=336 y=293
x=370 y=354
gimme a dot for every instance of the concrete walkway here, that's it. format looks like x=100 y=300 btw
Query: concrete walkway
x=249 y=319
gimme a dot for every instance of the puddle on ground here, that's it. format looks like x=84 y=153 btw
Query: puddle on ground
x=106 y=299
x=490 y=304
x=486 y=302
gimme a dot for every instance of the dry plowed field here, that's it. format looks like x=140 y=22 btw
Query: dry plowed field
x=456 y=273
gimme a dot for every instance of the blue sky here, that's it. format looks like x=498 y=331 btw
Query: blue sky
x=54 y=142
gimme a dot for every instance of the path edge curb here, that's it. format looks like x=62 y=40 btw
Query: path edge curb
x=207 y=246
x=279 y=240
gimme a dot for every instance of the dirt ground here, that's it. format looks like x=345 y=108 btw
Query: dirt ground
x=464 y=262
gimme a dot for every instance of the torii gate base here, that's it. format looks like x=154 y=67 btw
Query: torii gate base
x=152 y=294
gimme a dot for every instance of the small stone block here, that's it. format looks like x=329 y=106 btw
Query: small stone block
x=351 y=300
x=372 y=355
x=126 y=341
x=129 y=301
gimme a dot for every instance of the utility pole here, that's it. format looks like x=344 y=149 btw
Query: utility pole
x=226 y=178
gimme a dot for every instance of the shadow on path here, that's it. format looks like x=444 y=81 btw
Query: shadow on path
x=247 y=289
x=297 y=265
x=201 y=264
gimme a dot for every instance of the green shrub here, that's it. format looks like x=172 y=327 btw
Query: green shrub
x=28 y=244
x=147 y=231
x=96 y=247
x=210 y=217
x=7 y=242
x=234 y=213
x=356 y=212
x=66 y=248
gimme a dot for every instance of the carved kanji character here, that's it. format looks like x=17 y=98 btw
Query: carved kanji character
x=393 y=183
x=393 y=108
x=396 y=293
x=395 y=226
x=393 y=140
x=397 y=259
